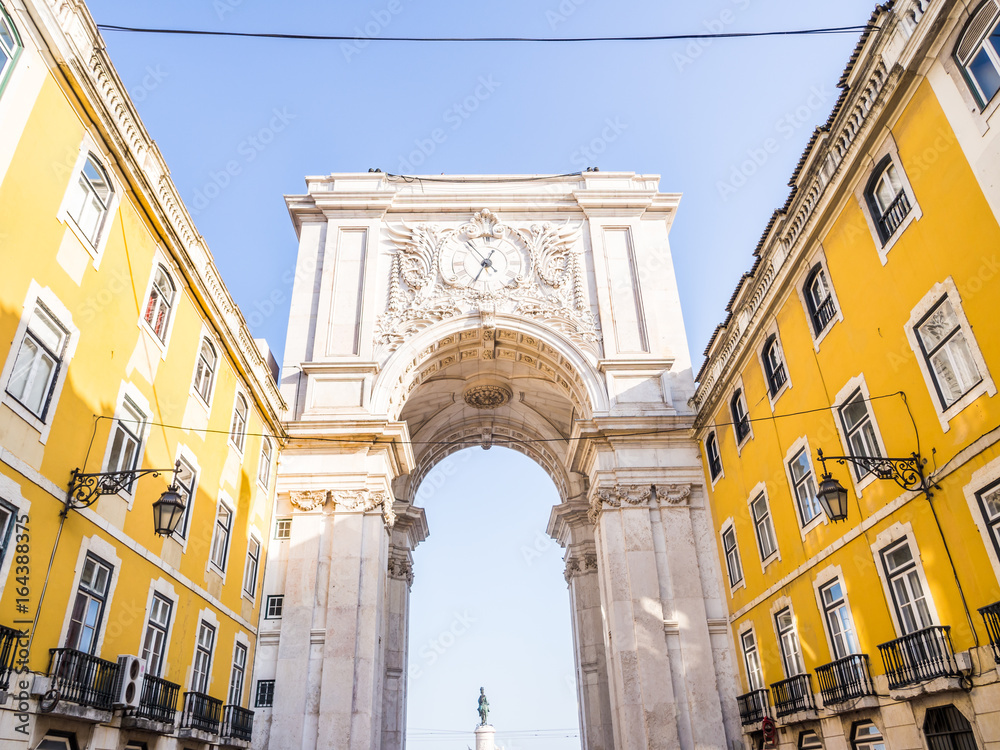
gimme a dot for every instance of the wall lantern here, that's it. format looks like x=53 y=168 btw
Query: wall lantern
x=908 y=473
x=85 y=489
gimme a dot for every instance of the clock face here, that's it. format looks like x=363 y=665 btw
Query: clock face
x=484 y=263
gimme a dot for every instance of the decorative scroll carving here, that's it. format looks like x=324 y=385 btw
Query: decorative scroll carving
x=402 y=569
x=673 y=494
x=589 y=562
x=364 y=501
x=550 y=288
x=487 y=396
x=308 y=500
x=572 y=568
x=577 y=565
x=615 y=497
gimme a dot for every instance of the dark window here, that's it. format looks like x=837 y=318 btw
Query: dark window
x=274 y=607
x=804 y=486
x=237 y=674
x=741 y=419
x=819 y=299
x=238 y=429
x=220 y=540
x=88 y=607
x=865 y=736
x=714 y=459
x=751 y=658
x=859 y=428
x=250 y=572
x=978 y=52
x=809 y=740
x=766 y=542
x=187 y=480
x=733 y=566
x=204 y=374
x=886 y=199
x=946 y=729
x=265 y=694
x=838 y=620
x=8 y=516
x=947 y=353
x=989 y=505
x=126 y=440
x=907 y=587
x=160 y=303
x=203 y=658
x=155 y=640
x=39 y=359
x=788 y=640
x=774 y=366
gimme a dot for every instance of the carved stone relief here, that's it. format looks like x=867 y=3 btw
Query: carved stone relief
x=308 y=500
x=402 y=569
x=615 y=497
x=364 y=501
x=673 y=494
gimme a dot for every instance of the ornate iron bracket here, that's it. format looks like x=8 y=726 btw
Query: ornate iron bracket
x=85 y=489
x=908 y=473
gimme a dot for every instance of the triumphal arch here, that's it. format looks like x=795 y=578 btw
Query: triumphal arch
x=538 y=313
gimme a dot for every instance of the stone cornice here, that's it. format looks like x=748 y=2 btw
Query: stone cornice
x=75 y=44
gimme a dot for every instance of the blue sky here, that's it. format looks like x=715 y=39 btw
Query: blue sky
x=242 y=121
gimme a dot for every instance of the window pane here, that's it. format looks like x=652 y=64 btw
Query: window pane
x=898 y=557
x=985 y=72
x=855 y=412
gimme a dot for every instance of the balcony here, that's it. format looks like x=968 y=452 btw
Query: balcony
x=845 y=679
x=919 y=656
x=793 y=695
x=201 y=717
x=889 y=221
x=9 y=638
x=753 y=706
x=157 y=707
x=823 y=314
x=81 y=678
x=237 y=724
x=991 y=615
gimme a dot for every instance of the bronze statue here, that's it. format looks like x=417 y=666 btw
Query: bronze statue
x=484 y=707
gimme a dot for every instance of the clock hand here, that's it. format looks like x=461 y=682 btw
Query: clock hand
x=483 y=268
x=473 y=249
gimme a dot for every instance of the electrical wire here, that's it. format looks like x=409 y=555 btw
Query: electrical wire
x=484 y=39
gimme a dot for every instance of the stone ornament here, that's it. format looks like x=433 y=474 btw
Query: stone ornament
x=364 y=501
x=487 y=396
x=402 y=569
x=577 y=566
x=673 y=494
x=617 y=496
x=308 y=500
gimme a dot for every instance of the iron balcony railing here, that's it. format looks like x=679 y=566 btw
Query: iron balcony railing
x=237 y=723
x=793 y=695
x=9 y=638
x=201 y=712
x=919 y=656
x=845 y=679
x=82 y=678
x=824 y=313
x=991 y=614
x=893 y=216
x=775 y=379
x=158 y=701
x=753 y=706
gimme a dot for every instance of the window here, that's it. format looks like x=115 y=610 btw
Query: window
x=763 y=526
x=160 y=303
x=788 y=639
x=90 y=199
x=236 y=676
x=978 y=52
x=809 y=740
x=220 y=539
x=36 y=367
x=88 y=607
x=203 y=658
x=838 y=620
x=265 y=694
x=187 y=480
x=887 y=199
x=126 y=440
x=250 y=572
x=907 y=589
x=947 y=353
x=866 y=737
x=989 y=505
x=283 y=528
x=732 y=556
x=10 y=47
x=238 y=429
x=155 y=640
x=819 y=299
x=774 y=366
x=804 y=487
x=859 y=431
x=204 y=374
x=275 y=606
x=8 y=515
x=741 y=420
x=714 y=458
x=755 y=675
x=946 y=729
x=264 y=470
x=56 y=740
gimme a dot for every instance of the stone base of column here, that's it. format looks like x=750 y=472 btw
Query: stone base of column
x=485 y=737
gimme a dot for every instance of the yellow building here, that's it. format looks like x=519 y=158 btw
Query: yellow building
x=121 y=351
x=868 y=327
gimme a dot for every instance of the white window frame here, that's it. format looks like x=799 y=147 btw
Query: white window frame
x=866 y=744
x=713 y=432
x=280 y=600
x=204 y=616
x=772 y=331
x=187 y=456
x=980 y=480
x=160 y=262
x=818 y=259
x=163 y=589
x=726 y=526
x=10 y=492
x=896 y=533
x=973 y=93
x=239 y=640
x=98 y=547
x=747 y=627
x=857 y=383
x=88 y=148
x=253 y=536
x=887 y=149
x=801 y=444
x=937 y=293
x=760 y=491
x=239 y=446
x=129 y=396
x=738 y=386
x=206 y=402
x=265 y=463
x=823 y=579
x=43 y=297
x=227 y=502
x=277 y=527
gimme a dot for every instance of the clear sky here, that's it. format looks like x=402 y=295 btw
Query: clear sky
x=242 y=121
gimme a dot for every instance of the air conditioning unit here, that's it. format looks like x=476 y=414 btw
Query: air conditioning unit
x=128 y=687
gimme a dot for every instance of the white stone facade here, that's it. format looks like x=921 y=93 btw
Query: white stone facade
x=430 y=315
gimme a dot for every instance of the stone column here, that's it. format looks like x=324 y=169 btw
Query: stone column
x=409 y=530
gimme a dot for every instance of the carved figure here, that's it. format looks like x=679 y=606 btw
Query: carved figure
x=484 y=707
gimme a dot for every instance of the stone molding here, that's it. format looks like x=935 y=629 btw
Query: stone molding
x=580 y=564
x=364 y=501
x=308 y=500
x=618 y=496
x=401 y=568
x=674 y=494
x=487 y=396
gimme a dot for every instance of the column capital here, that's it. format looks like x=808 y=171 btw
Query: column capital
x=618 y=496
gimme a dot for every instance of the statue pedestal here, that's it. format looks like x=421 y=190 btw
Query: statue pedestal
x=484 y=737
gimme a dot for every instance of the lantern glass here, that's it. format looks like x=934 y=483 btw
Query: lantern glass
x=168 y=512
x=833 y=497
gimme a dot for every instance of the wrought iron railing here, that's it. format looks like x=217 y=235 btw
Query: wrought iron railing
x=893 y=216
x=82 y=678
x=823 y=313
x=9 y=638
x=753 y=706
x=742 y=426
x=237 y=723
x=919 y=656
x=158 y=701
x=793 y=695
x=991 y=614
x=845 y=679
x=775 y=379
x=201 y=712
